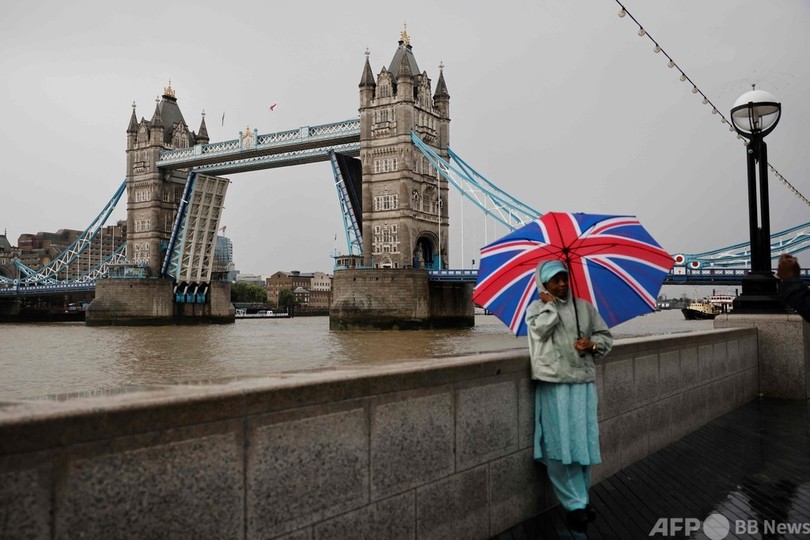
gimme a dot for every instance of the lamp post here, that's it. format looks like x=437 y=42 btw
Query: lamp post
x=754 y=115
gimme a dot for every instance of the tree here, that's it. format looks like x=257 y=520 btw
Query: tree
x=286 y=300
x=246 y=292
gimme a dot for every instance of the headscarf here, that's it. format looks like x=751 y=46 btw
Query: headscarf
x=548 y=269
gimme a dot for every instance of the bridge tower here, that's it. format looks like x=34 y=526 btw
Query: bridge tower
x=405 y=210
x=153 y=194
x=153 y=197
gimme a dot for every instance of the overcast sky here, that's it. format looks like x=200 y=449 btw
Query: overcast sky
x=559 y=103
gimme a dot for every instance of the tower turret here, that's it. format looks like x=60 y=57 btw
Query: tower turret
x=367 y=84
x=441 y=100
x=202 y=135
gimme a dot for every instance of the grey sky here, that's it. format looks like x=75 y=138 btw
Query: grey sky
x=560 y=103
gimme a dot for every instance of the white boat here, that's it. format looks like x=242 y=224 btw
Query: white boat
x=724 y=302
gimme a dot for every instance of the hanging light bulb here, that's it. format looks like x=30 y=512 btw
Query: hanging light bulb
x=622 y=12
x=657 y=49
x=730 y=128
x=723 y=121
x=641 y=32
x=714 y=111
x=671 y=64
x=739 y=136
x=683 y=77
x=694 y=90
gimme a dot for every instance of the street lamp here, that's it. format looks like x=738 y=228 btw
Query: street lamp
x=754 y=115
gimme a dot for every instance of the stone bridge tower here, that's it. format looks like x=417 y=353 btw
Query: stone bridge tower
x=153 y=195
x=405 y=210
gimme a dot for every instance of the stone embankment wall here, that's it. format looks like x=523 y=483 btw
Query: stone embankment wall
x=438 y=448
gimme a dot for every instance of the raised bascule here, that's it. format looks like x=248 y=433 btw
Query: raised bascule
x=393 y=168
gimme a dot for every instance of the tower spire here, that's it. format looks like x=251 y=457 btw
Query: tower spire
x=133 y=121
x=441 y=86
x=202 y=136
x=367 y=80
x=156 y=120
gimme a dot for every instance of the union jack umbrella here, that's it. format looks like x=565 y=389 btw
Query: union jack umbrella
x=613 y=263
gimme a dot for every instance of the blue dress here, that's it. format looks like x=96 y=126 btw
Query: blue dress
x=566 y=426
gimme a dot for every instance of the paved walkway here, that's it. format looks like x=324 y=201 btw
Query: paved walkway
x=752 y=466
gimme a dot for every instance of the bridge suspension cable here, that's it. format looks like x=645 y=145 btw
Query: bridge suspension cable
x=50 y=273
x=793 y=240
x=494 y=202
x=658 y=49
x=118 y=256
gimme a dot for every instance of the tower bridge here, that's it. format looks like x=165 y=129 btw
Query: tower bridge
x=393 y=168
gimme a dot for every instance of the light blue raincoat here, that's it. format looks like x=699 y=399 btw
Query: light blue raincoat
x=566 y=423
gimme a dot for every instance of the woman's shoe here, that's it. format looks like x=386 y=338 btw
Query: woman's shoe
x=577 y=520
x=590 y=512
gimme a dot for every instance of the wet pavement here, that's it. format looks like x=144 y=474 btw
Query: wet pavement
x=744 y=475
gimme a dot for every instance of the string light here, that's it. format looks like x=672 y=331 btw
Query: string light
x=695 y=90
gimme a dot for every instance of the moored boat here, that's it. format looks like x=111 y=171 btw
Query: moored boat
x=700 y=311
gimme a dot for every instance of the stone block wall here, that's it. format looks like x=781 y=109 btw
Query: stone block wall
x=384 y=298
x=151 y=302
x=451 y=304
x=438 y=448
x=131 y=301
x=783 y=350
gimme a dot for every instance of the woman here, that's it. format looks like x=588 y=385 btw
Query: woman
x=565 y=335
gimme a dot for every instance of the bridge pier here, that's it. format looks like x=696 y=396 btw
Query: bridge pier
x=143 y=301
x=398 y=299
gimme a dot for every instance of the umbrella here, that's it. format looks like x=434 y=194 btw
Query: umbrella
x=613 y=263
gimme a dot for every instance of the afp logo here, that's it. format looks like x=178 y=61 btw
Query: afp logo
x=715 y=527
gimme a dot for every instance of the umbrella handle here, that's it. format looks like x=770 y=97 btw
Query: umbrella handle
x=573 y=295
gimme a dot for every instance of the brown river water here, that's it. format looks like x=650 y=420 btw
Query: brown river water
x=60 y=360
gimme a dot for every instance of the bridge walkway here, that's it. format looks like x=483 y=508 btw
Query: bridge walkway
x=751 y=464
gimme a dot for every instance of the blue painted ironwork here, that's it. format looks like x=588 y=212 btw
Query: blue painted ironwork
x=171 y=261
x=41 y=289
x=102 y=269
x=701 y=276
x=793 y=240
x=354 y=236
x=492 y=200
x=305 y=144
x=50 y=273
x=286 y=159
x=461 y=275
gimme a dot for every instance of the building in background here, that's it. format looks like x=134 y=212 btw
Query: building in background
x=37 y=251
x=224 y=268
x=312 y=290
x=7 y=255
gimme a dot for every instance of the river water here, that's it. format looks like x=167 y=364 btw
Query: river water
x=66 y=359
